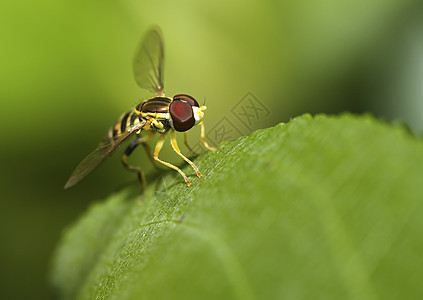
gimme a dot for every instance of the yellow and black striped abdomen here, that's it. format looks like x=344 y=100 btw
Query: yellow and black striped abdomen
x=128 y=120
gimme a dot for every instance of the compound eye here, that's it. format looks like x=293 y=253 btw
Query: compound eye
x=187 y=98
x=182 y=115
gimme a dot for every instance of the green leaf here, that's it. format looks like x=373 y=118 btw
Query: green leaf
x=319 y=208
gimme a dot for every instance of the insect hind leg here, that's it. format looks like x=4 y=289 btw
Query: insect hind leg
x=128 y=152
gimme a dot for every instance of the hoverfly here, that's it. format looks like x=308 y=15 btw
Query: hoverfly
x=158 y=114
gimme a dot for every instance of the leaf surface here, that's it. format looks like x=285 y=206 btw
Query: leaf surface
x=318 y=208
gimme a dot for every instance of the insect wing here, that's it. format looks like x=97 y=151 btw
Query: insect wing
x=99 y=155
x=148 y=62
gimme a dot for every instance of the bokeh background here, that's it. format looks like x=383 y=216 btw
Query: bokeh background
x=65 y=77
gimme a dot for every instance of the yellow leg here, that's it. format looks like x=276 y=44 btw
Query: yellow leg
x=203 y=138
x=149 y=153
x=157 y=149
x=176 y=148
x=128 y=152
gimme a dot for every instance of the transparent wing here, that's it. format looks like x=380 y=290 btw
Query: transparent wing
x=103 y=151
x=148 y=62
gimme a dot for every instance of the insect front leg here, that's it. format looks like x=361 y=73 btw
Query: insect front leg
x=176 y=148
x=128 y=152
x=203 y=138
x=157 y=149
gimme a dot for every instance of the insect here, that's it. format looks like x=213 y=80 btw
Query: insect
x=156 y=115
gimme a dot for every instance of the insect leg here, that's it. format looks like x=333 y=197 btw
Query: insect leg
x=203 y=138
x=128 y=152
x=176 y=148
x=149 y=153
x=157 y=149
x=147 y=149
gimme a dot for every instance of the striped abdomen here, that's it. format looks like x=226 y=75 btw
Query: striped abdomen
x=126 y=121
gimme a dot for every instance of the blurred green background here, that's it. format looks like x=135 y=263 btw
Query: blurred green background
x=65 y=78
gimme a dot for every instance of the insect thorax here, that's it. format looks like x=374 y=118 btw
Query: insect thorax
x=155 y=112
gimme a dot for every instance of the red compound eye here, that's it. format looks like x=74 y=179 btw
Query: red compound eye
x=187 y=98
x=182 y=115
